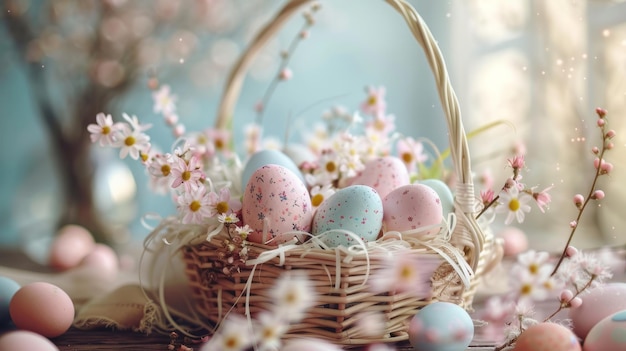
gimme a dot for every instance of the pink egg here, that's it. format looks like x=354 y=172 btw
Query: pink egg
x=608 y=334
x=276 y=200
x=25 y=340
x=515 y=241
x=598 y=304
x=384 y=174
x=103 y=259
x=42 y=308
x=547 y=337
x=70 y=246
x=411 y=207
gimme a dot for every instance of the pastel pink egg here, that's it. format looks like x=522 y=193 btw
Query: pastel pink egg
x=277 y=201
x=514 y=241
x=547 y=337
x=411 y=207
x=103 y=259
x=25 y=340
x=70 y=246
x=608 y=334
x=42 y=308
x=384 y=174
x=598 y=304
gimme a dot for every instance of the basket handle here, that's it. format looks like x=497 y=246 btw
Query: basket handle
x=459 y=151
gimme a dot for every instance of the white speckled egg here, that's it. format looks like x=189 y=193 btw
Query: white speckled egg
x=444 y=192
x=598 y=303
x=441 y=326
x=357 y=209
x=276 y=198
x=411 y=207
x=268 y=157
x=608 y=334
x=383 y=174
x=547 y=337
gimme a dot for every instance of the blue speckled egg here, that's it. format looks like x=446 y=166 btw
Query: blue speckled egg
x=441 y=326
x=608 y=334
x=357 y=209
x=268 y=157
x=444 y=192
x=8 y=288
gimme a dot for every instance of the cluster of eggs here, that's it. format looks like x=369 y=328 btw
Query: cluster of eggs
x=277 y=205
x=34 y=312
x=600 y=323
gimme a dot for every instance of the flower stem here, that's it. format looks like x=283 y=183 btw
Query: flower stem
x=495 y=199
x=584 y=205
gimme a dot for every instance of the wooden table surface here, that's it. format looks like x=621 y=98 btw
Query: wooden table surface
x=108 y=339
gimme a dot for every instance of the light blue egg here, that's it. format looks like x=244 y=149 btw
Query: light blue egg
x=268 y=157
x=8 y=288
x=441 y=326
x=357 y=209
x=444 y=192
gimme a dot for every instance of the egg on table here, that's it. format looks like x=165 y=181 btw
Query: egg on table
x=42 y=308
x=276 y=205
x=356 y=210
x=25 y=340
x=70 y=246
x=598 y=303
x=608 y=334
x=441 y=326
x=8 y=288
x=547 y=337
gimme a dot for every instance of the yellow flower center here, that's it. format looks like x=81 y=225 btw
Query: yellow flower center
x=372 y=100
x=269 y=333
x=379 y=125
x=290 y=298
x=231 y=342
x=406 y=273
x=129 y=141
x=407 y=157
x=166 y=169
x=222 y=207
x=317 y=199
x=106 y=130
x=331 y=166
x=219 y=144
x=526 y=289
x=186 y=175
x=195 y=205
x=514 y=205
x=201 y=139
x=533 y=268
x=144 y=156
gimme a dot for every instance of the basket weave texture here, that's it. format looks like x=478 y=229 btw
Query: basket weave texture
x=340 y=276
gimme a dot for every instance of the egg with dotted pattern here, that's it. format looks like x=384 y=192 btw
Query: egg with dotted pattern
x=356 y=209
x=411 y=207
x=608 y=334
x=441 y=326
x=383 y=174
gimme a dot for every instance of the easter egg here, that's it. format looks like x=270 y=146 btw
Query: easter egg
x=268 y=157
x=384 y=174
x=356 y=209
x=299 y=154
x=8 y=288
x=71 y=244
x=25 y=340
x=598 y=303
x=547 y=337
x=277 y=201
x=42 y=308
x=608 y=334
x=441 y=326
x=411 y=207
x=514 y=241
x=103 y=260
x=444 y=192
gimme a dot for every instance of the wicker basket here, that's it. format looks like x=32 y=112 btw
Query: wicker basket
x=339 y=275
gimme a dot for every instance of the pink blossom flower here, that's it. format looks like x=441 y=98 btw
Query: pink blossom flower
x=160 y=170
x=193 y=206
x=375 y=103
x=405 y=272
x=382 y=124
x=411 y=152
x=164 y=101
x=104 y=131
x=132 y=142
x=219 y=138
x=543 y=198
x=515 y=205
x=189 y=174
x=517 y=162
x=223 y=203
